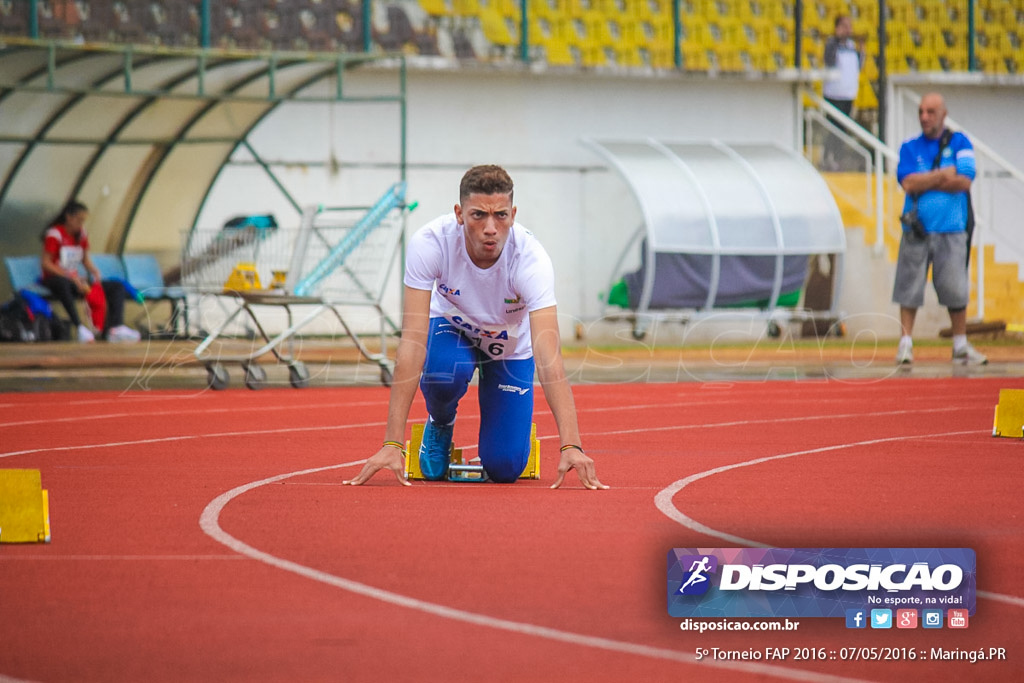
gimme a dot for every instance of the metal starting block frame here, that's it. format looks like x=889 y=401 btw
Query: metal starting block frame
x=458 y=468
x=1009 y=417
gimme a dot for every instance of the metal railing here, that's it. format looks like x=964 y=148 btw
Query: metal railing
x=861 y=143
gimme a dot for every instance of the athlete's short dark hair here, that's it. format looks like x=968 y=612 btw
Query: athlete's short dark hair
x=486 y=179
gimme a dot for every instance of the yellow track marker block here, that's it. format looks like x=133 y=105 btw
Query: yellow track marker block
x=24 y=507
x=1009 y=417
x=532 y=470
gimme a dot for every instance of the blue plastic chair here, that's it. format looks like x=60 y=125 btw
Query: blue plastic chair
x=110 y=266
x=143 y=272
x=25 y=273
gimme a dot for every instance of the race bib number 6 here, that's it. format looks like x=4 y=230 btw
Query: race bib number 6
x=493 y=340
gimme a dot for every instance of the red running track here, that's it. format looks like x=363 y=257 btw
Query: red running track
x=207 y=537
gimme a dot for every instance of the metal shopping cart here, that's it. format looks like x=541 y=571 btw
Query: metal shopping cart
x=340 y=258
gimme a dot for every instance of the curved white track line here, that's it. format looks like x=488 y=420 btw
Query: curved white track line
x=663 y=500
x=210 y=524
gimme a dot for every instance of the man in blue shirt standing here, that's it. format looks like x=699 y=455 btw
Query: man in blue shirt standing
x=935 y=170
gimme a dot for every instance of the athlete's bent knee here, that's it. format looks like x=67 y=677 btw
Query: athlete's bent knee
x=504 y=472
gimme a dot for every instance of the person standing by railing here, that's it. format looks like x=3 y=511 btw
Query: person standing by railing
x=846 y=57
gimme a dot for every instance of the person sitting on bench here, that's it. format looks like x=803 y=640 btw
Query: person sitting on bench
x=65 y=254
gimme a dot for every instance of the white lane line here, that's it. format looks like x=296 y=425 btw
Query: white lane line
x=286 y=430
x=191 y=437
x=195 y=411
x=665 y=503
x=209 y=522
x=280 y=408
x=160 y=558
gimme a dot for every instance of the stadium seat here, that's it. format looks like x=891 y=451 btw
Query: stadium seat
x=435 y=8
x=24 y=272
x=14 y=18
x=109 y=265
x=143 y=273
x=498 y=29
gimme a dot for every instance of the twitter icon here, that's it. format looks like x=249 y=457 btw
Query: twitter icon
x=881 y=618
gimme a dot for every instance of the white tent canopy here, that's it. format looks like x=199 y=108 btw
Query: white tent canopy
x=739 y=218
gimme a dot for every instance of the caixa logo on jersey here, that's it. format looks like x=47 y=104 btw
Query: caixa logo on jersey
x=816 y=582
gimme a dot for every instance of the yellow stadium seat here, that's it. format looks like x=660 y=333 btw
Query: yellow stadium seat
x=695 y=57
x=466 y=8
x=901 y=11
x=548 y=9
x=866 y=98
x=728 y=57
x=558 y=52
x=953 y=61
x=499 y=29
x=435 y=8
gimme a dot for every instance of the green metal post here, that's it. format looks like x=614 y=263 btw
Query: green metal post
x=204 y=23
x=524 y=32
x=33 y=19
x=677 y=32
x=972 y=58
x=272 y=76
x=883 y=71
x=128 y=59
x=367 y=26
x=403 y=115
x=798 y=30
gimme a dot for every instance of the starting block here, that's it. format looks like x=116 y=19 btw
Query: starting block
x=24 y=507
x=458 y=468
x=1009 y=417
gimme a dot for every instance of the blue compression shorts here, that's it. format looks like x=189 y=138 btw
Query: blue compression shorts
x=506 y=397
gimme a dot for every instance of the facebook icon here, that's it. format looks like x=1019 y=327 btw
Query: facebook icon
x=856 y=618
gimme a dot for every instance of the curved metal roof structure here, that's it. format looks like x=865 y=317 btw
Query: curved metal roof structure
x=141 y=135
x=724 y=201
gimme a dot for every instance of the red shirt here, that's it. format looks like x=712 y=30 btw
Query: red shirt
x=65 y=248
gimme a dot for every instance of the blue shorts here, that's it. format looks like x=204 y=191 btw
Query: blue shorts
x=506 y=397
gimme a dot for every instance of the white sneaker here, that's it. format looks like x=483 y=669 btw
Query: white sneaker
x=905 y=354
x=85 y=335
x=968 y=355
x=123 y=333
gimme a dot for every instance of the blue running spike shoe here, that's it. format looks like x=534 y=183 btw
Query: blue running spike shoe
x=435 y=451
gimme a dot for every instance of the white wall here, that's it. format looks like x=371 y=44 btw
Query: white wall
x=533 y=124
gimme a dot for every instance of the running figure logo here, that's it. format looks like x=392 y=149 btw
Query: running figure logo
x=696 y=581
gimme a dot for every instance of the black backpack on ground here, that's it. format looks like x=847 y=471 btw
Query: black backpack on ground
x=17 y=321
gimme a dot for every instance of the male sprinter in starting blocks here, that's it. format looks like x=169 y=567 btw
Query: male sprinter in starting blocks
x=479 y=294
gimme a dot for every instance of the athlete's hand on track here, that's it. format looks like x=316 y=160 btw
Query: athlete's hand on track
x=573 y=459
x=388 y=457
